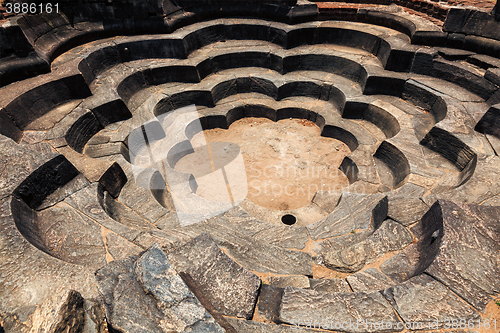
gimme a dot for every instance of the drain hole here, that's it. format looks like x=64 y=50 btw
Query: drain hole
x=288 y=219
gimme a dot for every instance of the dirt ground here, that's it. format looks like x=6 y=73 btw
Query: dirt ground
x=286 y=162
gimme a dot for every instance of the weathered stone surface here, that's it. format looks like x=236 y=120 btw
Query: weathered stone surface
x=231 y=289
x=89 y=201
x=70 y=236
x=145 y=294
x=62 y=312
x=120 y=248
x=369 y=280
x=330 y=285
x=95 y=317
x=65 y=191
x=301 y=307
x=390 y=236
x=298 y=281
x=246 y=326
x=354 y=211
x=468 y=257
x=269 y=302
x=405 y=205
x=22 y=266
x=423 y=299
x=416 y=257
x=18 y=163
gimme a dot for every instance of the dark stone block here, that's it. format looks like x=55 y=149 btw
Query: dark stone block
x=112 y=112
x=291 y=63
x=303 y=13
x=430 y=38
x=152 y=48
x=198 y=97
x=205 y=68
x=8 y=128
x=387 y=20
x=340 y=134
x=244 y=31
x=423 y=61
x=309 y=89
x=188 y=3
x=422 y=96
x=395 y=160
x=224 y=89
x=330 y=64
x=269 y=302
x=82 y=130
x=256 y=85
x=346 y=37
x=483 y=24
x=455 y=40
x=455 y=20
x=161 y=75
x=493 y=75
x=235 y=114
x=463 y=76
x=101 y=60
x=45 y=180
x=484 y=61
x=260 y=111
x=203 y=36
x=130 y=85
x=39 y=100
x=14 y=68
x=482 y=45
x=242 y=59
x=400 y=61
x=490 y=122
x=384 y=85
x=298 y=37
x=278 y=37
x=454 y=54
x=211 y=122
x=113 y=180
x=449 y=146
x=296 y=113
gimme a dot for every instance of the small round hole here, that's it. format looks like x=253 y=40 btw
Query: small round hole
x=288 y=219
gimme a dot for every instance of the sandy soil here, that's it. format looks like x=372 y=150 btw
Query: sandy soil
x=286 y=162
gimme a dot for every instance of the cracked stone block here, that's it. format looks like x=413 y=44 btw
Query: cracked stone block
x=62 y=312
x=120 y=248
x=354 y=211
x=95 y=317
x=269 y=302
x=145 y=294
x=17 y=162
x=405 y=205
x=230 y=288
x=423 y=299
x=298 y=281
x=70 y=236
x=369 y=280
x=468 y=260
x=310 y=306
x=330 y=285
x=391 y=236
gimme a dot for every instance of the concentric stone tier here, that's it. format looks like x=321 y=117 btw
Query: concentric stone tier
x=413 y=238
